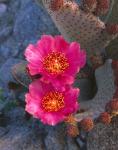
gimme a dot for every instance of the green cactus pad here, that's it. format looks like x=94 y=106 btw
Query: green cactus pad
x=20 y=74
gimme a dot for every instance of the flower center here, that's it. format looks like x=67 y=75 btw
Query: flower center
x=53 y=101
x=55 y=63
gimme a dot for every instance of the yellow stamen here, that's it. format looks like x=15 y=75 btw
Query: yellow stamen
x=55 y=63
x=53 y=101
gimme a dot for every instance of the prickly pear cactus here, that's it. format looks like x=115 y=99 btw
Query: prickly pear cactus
x=19 y=73
x=81 y=23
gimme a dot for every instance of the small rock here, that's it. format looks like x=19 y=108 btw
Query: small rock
x=3 y=9
x=4 y=34
x=10 y=48
x=5 y=71
x=16 y=116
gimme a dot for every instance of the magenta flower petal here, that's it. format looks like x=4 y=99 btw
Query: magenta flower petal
x=61 y=44
x=76 y=57
x=34 y=56
x=71 y=97
x=51 y=105
x=55 y=59
x=46 y=44
x=32 y=106
x=59 y=81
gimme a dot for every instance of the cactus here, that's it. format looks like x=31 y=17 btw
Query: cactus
x=82 y=24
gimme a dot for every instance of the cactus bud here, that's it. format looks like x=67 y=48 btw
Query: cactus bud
x=70 y=120
x=89 y=5
x=112 y=106
x=105 y=118
x=56 y=4
x=102 y=7
x=72 y=130
x=87 y=124
x=112 y=28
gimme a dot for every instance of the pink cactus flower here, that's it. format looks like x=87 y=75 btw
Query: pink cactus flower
x=50 y=105
x=55 y=59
